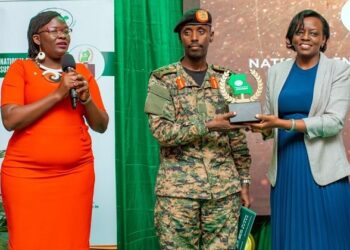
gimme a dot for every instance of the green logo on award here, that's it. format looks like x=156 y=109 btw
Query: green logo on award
x=239 y=85
x=243 y=101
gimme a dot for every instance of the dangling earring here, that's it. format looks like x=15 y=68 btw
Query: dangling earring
x=40 y=57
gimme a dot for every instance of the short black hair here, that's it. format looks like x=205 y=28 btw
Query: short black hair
x=38 y=21
x=298 y=22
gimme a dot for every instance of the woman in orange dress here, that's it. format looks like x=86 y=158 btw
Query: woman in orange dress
x=47 y=176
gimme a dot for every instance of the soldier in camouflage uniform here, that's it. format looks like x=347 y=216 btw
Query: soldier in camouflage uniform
x=204 y=161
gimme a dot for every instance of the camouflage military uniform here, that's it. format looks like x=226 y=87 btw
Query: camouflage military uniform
x=178 y=225
x=195 y=163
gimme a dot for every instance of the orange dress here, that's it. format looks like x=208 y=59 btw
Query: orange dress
x=47 y=176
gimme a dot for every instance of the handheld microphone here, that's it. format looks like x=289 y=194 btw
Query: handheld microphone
x=68 y=65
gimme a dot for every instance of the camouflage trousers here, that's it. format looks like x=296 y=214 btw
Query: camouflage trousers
x=188 y=224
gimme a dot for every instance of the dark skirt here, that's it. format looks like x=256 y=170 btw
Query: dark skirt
x=305 y=215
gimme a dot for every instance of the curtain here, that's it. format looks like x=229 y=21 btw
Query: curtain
x=144 y=41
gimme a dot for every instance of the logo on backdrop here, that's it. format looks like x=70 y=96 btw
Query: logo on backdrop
x=345 y=15
x=90 y=56
x=67 y=16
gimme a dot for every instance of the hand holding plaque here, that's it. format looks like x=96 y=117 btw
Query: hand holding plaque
x=245 y=107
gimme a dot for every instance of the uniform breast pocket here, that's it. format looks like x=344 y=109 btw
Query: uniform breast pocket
x=215 y=102
x=185 y=101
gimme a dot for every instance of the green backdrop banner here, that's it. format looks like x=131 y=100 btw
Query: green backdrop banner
x=144 y=42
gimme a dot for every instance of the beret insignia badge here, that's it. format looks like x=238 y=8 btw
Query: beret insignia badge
x=202 y=16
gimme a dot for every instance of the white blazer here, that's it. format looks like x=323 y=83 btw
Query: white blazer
x=329 y=109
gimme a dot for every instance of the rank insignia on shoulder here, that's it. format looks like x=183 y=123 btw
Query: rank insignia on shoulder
x=159 y=73
x=180 y=82
x=220 y=69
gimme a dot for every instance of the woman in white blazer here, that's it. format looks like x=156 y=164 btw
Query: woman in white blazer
x=307 y=102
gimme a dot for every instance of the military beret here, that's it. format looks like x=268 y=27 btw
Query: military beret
x=194 y=16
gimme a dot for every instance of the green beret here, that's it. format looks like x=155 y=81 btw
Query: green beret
x=194 y=17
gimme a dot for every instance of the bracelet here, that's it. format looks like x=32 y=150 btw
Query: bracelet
x=86 y=101
x=245 y=181
x=292 y=128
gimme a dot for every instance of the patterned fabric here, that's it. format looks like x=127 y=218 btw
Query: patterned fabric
x=194 y=162
x=178 y=225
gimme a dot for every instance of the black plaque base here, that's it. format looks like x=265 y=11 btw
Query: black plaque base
x=245 y=111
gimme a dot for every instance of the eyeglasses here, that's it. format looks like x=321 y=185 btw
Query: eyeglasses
x=55 y=31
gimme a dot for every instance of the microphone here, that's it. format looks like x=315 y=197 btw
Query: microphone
x=68 y=65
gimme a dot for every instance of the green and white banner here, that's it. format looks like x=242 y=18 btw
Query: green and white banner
x=92 y=42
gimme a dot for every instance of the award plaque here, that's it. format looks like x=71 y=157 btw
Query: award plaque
x=242 y=100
